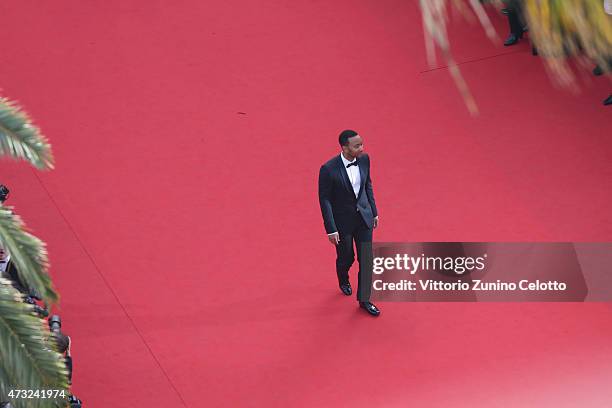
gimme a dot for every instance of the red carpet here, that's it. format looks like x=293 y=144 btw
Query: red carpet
x=186 y=238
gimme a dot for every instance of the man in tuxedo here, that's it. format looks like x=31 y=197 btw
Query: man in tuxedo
x=8 y=270
x=349 y=214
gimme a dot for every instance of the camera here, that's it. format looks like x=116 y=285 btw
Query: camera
x=55 y=324
x=62 y=341
x=4 y=193
x=75 y=402
x=42 y=312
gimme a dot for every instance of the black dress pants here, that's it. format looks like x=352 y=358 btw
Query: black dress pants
x=361 y=235
x=515 y=16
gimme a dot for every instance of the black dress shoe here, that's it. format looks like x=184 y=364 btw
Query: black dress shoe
x=346 y=289
x=370 y=308
x=512 y=39
x=608 y=100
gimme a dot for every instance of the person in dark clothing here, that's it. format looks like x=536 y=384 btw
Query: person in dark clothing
x=349 y=214
x=514 y=11
x=604 y=70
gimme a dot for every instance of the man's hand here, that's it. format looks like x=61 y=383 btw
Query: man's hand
x=375 y=221
x=334 y=238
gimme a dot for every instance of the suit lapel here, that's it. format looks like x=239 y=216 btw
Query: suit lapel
x=9 y=270
x=361 y=164
x=344 y=176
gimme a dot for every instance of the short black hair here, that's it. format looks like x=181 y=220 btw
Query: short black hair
x=345 y=135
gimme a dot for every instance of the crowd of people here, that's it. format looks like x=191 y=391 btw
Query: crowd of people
x=518 y=27
x=62 y=342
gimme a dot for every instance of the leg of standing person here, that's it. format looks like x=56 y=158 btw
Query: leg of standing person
x=363 y=242
x=345 y=256
x=515 y=20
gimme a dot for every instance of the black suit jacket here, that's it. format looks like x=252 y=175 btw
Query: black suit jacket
x=337 y=199
x=13 y=275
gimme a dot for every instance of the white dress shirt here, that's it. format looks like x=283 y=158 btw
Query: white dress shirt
x=4 y=263
x=353 y=174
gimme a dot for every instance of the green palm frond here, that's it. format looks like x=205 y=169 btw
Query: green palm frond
x=565 y=29
x=28 y=358
x=558 y=29
x=435 y=18
x=28 y=253
x=20 y=139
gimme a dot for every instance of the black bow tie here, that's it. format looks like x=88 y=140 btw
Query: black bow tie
x=351 y=164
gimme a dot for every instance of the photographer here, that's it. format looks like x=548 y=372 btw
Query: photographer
x=9 y=271
x=62 y=342
x=57 y=339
